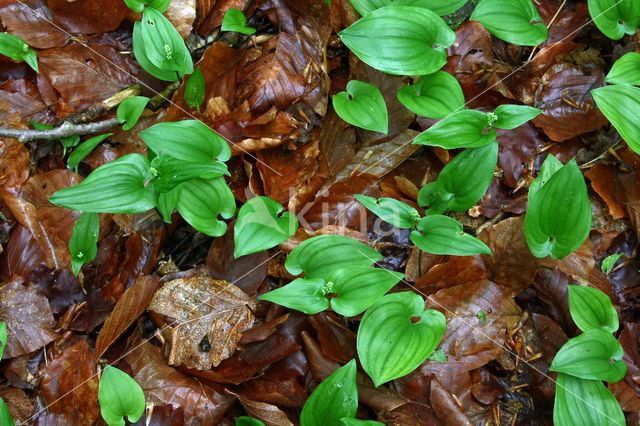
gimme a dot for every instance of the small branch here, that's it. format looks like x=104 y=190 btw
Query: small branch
x=159 y=99
x=66 y=129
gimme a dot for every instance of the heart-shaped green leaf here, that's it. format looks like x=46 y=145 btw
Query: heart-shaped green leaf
x=17 y=49
x=163 y=45
x=234 y=20
x=167 y=201
x=440 y=7
x=259 y=228
x=194 y=90
x=512 y=116
x=130 y=110
x=440 y=234
x=558 y=218
x=119 y=186
x=620 y=104
x=585 y=402
x=83 y=245
x=401 y=40
x=119 y=395
x=549 y=167
x=84 y=149
x=390 y=344
x=187 y=140
x=592 y=309
x=434 y=96
x=5 y=414
x=462 y=129
x=335 y=398
x=363 y=106
x=318 y=256
x=139 y=52
x=397 y=213
x=595 y=355
x=306 y=295
x=356 y=288
x=512 y=21
x=625 y=70
x=615 y=18
x=202 y=200
x=172 y=172
x=3 y=337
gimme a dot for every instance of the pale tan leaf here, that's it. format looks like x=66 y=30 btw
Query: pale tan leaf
x=269 y=414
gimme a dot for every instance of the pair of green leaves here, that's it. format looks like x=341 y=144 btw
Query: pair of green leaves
x=514 y=21
x=439 y=7
x=234 y=20
x=119 y=395
x=18 y=50
x=558 y=218
x=138 y=6
x=615 y=18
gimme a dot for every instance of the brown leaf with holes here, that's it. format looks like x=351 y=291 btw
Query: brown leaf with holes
x=203 y=310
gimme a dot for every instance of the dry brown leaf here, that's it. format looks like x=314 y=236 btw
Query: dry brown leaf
x=89 y=16
x=203 y=308
x=18 y=404
x=269 y=414
x=35 y=28
x=14 y=163
x=20 y=100
x=182 y=14
x=446 y=406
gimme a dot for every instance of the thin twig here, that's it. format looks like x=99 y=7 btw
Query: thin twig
x=66 y=129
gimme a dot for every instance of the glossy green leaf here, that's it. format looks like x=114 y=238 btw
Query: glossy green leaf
x=440 y=234
x=130 y=110
x=85 y=149
x=318 y=256
x=609 y=262
x=167 y=201
x=234 y=20
x=202 y=200
x=549 y=167
x=585 y=403
x=356 y=288
x=621 y=104
x=119 y=395
x=514 y=21
x=397 y=213
x=348 y=421
x=159 y=5
x=401 y=40
x=163 y=45
x=434 y=96
x=362 y=105
x=390 y=344
x=187 y=140
x=248 y=421
x=595 y=355
x=462 y=129
x=335 y=398
x=440 y=7
x=591 y=309
x=558 y=218
x=135 y=5
x=139 y=52
x=428 y=197
x=119 y=186
x=615 y=18
x=307 y=295
x=3 y=337
x=194 y=90
x=259 y=228
x=17 y=49
x=5 y=415
x=83 y=245
x=625 y=70
x=172 y=172
x=512 y=116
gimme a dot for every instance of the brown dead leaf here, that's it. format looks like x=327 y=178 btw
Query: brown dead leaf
x=21 y=101
x=517 y=150
x=18 y=404
x=28 y=317
x=446 y=407
x=203 y=308
x=337 y=341
x=21 y=255
x=14 y=163
x=182 y=14
x=269 y=414
x=89 y=16
x=31 y=21
x=454 y=271
x=602 y=178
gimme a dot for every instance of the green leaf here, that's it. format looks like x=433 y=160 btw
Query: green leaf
x=259 y=228
x=462 y=129
x=187 y=140
x=172 y=172
x=160 y=5
x=595 y=355
x=248 y=421
x=359 y=287
x=194 y=91
x=609 y=262
x=620 y=104
x=440 y=7
x=335 y=398
x=119 y=395
x=615 y=18
x=18 y=50
x=234 y=20
x=167 y=201
x=625 y=70
x=307 y=295
x=139 y=51
x=512 y=116
x=163 y=45
x=440 y=234
x=3 y=338
x=584 y=402
x=434 y=96
x=397 y=213
x=5 y=415
x=362 y=105
x=202 y=200
x=135 y=5
x=511 y=21
x=85 y=149
x=318 y=256
x=549 y=167
x=83 y=245
x=592 y=309
x=558 y=218
x=119 y=186
x=348 y=421
x=130 y=110
x=390 y=345
x=401 y=40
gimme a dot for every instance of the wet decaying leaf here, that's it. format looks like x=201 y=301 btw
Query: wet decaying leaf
x=208 y=318
x=269 y=414
x=31 y=21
